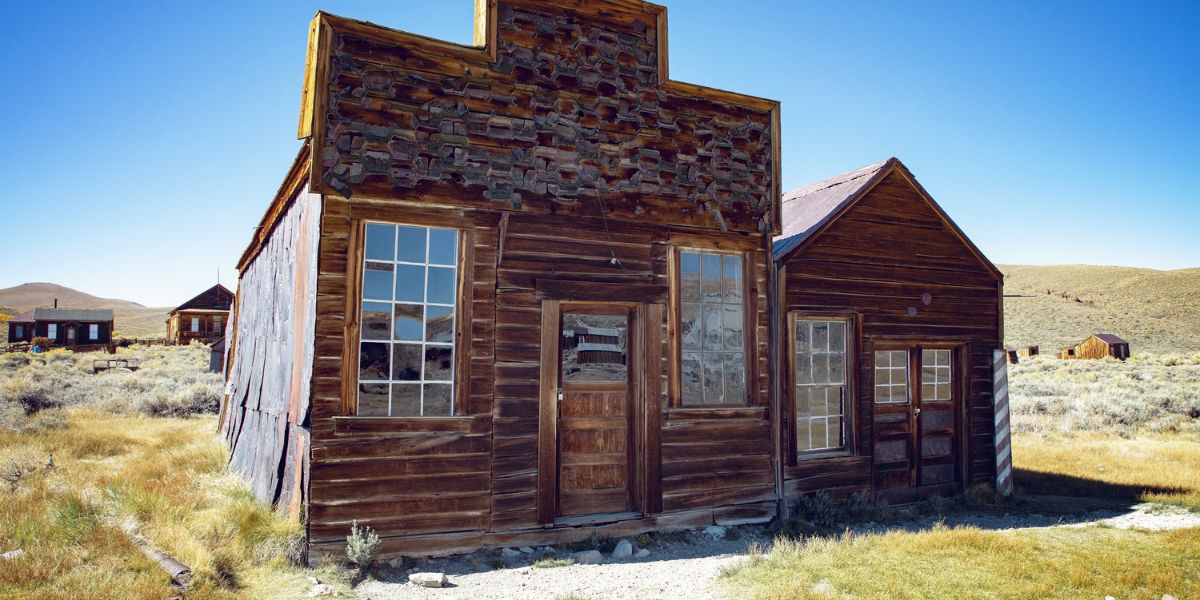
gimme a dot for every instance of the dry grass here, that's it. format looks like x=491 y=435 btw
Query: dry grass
x=1091 y=562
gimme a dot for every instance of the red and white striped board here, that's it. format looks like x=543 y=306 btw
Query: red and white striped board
x=1003 y=441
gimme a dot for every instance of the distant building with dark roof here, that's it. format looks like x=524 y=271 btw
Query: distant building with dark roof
x=202 y=318
x=1098 y=345
x=65 y=327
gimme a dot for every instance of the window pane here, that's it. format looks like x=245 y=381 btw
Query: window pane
x=804 y=369
x=803 y=402
x=373 y=361
x=439 y=324
x=816 y=429
x=731 y=278
x=732 y=325
x=803 y=336
x=710 y=271
x=439 y=363
x=373 y=399
x=712 y=327
x=837 y=336
x=406 y=362
x=410 y=244
x=691 y=378
x=820 y=368
x=443 y=247
x=410 y=283
x=407 y=322
x=381 y=242
x=713 y=388
x=735 y=380
x=441 y=286
x=377 y=281
x=406 y=400
x=689 y=325
x=376 y=321
x=837 y=368
x=437 y=400
x=689 y=276
x=820 y=340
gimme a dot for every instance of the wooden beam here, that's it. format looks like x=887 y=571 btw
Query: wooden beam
x=547 y=491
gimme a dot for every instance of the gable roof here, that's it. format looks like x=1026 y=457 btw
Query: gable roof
x=1109 y=338
x=809 y=210
x=72 y=314
x=25 y=317
x=216 y=297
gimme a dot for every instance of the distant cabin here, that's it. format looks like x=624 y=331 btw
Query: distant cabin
x=75 y=328
x=1096 y=346
x=202 y=318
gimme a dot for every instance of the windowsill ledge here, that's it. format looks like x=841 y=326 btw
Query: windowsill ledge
x=354 y=424
x=716 y=412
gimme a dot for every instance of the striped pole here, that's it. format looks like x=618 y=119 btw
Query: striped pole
x=1003 y=441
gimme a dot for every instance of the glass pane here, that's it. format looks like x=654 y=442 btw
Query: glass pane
x=820 y=368
x=900 y=394
x=406 y=399
x=898 y=376
x=376 y=321
x=713 y=388
x=928 y=392
x=820 y=341
x=407 y=324
x=803 y=440
x=836 y=439
x=437 y=399
x=803 y=336
x=410 y=244
x=712 y=327
x=373 y=399
x=733 y=324
x=804 y=368
x=373 y=361
x=441 y=285
x=410 y=283
x=593 y=347
x=803 y=402
x=689 y=277
x=833 y=401
x=689 y=325
x=406 y=362
x=443 y=246
x=377 y=281
x=928 y=374
x=710 y=270
x=882 y=393
x=690 y=379
x=381 y=242
x=439 y=324
x=731 y=277
x=735 y=377
x=837 y=336
x=439 y=363
x=816 y=401
x=837 y=368
x=817 y=431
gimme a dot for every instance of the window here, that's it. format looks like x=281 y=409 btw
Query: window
x=52 y=331
x=216 y=322
x=711 y=328
x=891 y=377
x=935 y=376
x=93 y=331
x=20 y=331
x=195 y=324
x=406 y=335
x=820 y=378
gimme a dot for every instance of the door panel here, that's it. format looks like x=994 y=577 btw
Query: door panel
x=594 y=413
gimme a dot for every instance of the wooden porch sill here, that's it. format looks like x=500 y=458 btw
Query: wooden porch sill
x=747 y=412
x=354 y=424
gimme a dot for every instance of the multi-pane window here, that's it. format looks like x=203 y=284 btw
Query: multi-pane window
x=406 y=337
x=891 y=377
x=93 y=332
x=52 y=331
x=195 y=324
x=820 y=379
x=217 y=324
x=935 y=375
x=712 y=328
x=20 y=331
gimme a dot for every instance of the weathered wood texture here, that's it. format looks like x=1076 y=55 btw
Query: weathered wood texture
x=1095 y=347
x=265 y=415
x=572 y=116
x=880 y=259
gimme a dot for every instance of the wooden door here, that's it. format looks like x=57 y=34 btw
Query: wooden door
x=917 y=401
x=595 y=411
x=71 y=336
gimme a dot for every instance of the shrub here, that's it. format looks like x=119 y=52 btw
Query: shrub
x=41 y=341
x=361 y=545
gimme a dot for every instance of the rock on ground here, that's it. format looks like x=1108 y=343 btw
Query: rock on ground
x=428 y=580
x=623 y=550
x=588 y=557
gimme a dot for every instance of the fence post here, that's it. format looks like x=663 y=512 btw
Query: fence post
x=1003 y=437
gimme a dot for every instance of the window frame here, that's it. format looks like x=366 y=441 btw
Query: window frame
x=355 y=264
x=852 y=400
x=93 y=331
x=745 y=249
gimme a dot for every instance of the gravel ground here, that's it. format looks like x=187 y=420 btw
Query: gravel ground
x=687 y=565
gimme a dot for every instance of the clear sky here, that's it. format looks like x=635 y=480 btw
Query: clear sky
x=141 y=142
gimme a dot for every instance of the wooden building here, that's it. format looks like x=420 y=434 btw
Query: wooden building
x=201 y=319
x=75 y=328
x=891 y=317
x=521 y=293
x=1096 y=346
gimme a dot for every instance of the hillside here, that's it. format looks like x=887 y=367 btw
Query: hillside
x=1156 y=311
x=132 y=319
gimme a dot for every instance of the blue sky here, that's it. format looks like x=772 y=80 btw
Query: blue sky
x=141 y=142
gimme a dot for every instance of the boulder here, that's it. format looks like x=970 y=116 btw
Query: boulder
x=429 y=580
x=641 y=553
x=525 y=550
x=588 y=557
x=509 y=553
x=623 y=550
x=715 y=532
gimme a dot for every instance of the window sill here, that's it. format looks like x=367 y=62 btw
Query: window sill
x=822 y=455
x=717 y=412
x=352 y=424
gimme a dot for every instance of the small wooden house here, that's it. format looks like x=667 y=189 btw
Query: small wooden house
x=1096 y=346
x=1027 y=351
x=75 y=328
x=890 y=319
x=202 y=318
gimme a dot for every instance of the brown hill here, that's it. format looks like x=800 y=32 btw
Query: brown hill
x=132 y=319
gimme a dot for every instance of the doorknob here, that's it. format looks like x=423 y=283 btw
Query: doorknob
x=917 y=411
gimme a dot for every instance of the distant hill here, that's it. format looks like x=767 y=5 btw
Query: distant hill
x=132 y=319
x=1156 y=311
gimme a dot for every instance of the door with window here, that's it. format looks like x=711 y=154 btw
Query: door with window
x=917 y=418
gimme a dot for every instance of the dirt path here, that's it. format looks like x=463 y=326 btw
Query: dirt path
x=688 y=565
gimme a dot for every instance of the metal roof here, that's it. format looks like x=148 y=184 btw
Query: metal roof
x=806 y=209
x=72 y=314
x=1109 y=338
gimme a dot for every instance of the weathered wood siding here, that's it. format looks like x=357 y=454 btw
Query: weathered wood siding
x=878 y=259
x=265 y=414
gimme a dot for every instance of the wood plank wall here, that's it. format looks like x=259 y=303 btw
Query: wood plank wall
x=879 y=259
x=265 y=416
